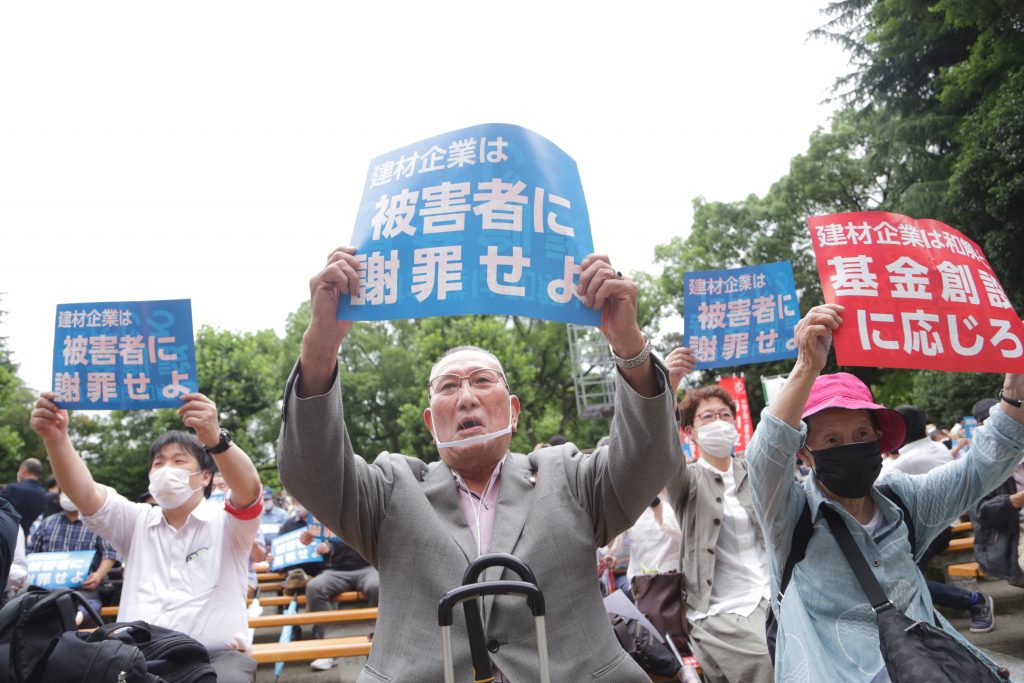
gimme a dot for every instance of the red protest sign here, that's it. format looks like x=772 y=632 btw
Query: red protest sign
x=917 y=294
x=737 y=388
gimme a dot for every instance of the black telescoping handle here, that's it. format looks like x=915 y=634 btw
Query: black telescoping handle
x=449 y=600
x=484 y=562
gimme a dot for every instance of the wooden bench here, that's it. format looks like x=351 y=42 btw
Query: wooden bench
x=308 y=650
x=961 y=527
x=270 y=576
x=276 y=600
x=957 y=545
x=271 y=587
x=968 y=570
x=304 y=618
x=272 y=600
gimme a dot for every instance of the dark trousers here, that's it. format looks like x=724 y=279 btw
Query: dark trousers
x=944 y=594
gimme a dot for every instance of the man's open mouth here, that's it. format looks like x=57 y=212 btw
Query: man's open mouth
x=469 y=423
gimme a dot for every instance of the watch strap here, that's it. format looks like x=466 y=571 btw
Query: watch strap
x=222 y=445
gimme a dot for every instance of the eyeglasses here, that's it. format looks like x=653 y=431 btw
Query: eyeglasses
x=479 y=380
x=709 y=415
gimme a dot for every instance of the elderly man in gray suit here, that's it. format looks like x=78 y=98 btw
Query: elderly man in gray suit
x=421 y=524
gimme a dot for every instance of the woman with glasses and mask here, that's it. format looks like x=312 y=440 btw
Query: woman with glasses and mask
x=722 y=555
x=827 y=629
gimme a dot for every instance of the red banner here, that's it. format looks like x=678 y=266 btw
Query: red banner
x=917 y=294
x=737 y=388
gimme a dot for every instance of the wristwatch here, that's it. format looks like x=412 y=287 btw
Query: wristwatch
x=1016 y=403
x=635 y=361
x=222 y=445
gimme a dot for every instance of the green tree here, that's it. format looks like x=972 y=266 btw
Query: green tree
x=17 y=440
x=944 y=82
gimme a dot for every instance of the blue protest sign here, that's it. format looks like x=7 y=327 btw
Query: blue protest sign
x=317 y=528
x=740 y=316
x=59 y=570
x=124 y=355
x=488 y=219
x=970 y=424
x=287 y=551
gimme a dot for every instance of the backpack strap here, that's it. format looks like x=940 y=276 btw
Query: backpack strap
x=908 y=519
x=805 y=529
x=802 y=533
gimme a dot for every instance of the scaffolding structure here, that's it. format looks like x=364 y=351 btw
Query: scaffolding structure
x=592 y=372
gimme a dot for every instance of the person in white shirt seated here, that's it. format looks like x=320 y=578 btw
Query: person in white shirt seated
x=919 y=454
x=185 y=559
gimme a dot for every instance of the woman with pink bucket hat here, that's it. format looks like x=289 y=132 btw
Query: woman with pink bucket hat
x=827 y=630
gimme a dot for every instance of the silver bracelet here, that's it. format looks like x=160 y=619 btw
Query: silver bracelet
x=635 y=361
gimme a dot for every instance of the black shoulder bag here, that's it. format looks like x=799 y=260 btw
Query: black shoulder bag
x=913 y=651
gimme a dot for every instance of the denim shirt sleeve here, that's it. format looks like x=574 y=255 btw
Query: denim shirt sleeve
x=778 y=498
x=936 y=499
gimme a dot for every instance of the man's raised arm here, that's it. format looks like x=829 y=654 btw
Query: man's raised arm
x=602 y=287
x=200 y=413
x=73 y=476
x=318 y=360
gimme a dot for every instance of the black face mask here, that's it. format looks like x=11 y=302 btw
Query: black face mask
x=849 y=470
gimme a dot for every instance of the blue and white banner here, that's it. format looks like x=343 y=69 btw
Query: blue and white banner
x=317 y=528
x=488 y=219
x=970 y=424
x=287 y=551
x=740 y=316
x=124 y=355
x=59 y=570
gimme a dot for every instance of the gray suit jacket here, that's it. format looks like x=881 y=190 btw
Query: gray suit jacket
x=555 y=507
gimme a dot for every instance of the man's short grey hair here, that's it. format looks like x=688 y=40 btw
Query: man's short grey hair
x=33 y=467
x=466 y=347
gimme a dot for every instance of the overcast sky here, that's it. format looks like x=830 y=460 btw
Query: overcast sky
x=216 y=151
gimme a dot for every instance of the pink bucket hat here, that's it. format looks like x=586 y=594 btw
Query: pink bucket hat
x=843 y=390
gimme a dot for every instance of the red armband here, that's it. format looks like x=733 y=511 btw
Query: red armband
x=251 y=512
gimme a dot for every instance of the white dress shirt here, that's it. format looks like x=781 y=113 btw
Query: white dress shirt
x=741 y=565
x=922 y=456
x=191 y=579
x=654 y=546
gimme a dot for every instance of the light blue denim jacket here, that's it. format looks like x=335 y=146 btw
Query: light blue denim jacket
x=827 y=631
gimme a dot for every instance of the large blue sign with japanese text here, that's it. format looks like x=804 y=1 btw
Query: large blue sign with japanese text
x=59 y=570
x=488 y=219
x=287 y=551
x=124 y=355
x=740 y=316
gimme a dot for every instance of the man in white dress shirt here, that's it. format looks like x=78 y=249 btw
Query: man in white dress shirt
x=185 y=560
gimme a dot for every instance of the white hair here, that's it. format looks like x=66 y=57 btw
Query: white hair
x=458 y=349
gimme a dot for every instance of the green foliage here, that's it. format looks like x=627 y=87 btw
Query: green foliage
x=943 y=84
x=932 y=127
x=17 y=440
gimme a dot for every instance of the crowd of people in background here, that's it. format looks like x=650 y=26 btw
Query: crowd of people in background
x=751 y=534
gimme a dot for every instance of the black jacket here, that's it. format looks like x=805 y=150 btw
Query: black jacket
x=996 y=530
x=29 y=498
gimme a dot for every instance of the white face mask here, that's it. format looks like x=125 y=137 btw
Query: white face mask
x=218 y=497
x=479 y=438
x=66 y=504
x=169 y=487
x=717 y=438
